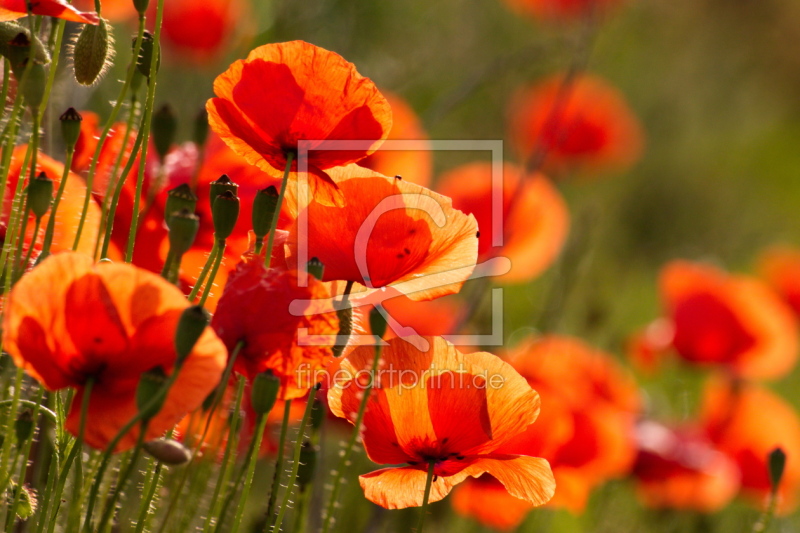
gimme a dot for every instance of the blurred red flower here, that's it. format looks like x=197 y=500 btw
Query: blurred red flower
x=780 y=267
x=14 y=9
x=560 y=9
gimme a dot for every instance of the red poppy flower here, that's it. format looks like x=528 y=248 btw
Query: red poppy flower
x=391 y=232
x=69 y=320
x=586 y=126
x=560 y=9
x=680 y=469
x=747 y=422
x=445 y=407
x=415 y=166
x=198 y=30
x=535 y=218
x=733 y=321
x=294 y=344
x=780 y=267
x=14 y=9
x=290 y=92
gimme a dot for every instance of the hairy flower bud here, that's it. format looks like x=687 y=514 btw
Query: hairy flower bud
x=92 y=53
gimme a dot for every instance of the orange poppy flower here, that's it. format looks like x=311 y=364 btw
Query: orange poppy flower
x=747 y=422
x=586 y=127
x=733 y=321
x=647 y=348
x=294 y=344
x=415 y=166
x=535 y=226
x=560 y=9
x=69 y=320
x=311 y=95
x=780 y=267
x=391 y=232
x=199 y=30
x=445 y=407
x=14 y=9
x=486 y=500
x=680 y=469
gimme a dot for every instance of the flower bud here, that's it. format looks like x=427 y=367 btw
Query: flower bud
x=23 y=426
x=141 y=6
x=136 y=82
x=33 y=85
x=308 y=463
x=200 y=132
x=315 y=268
x=145 y=59
x=70 y=127
x=317 y=414
x=225 y=212
x=183 y=227
x=150 y=385
x=168 y=451
x=165 y=126
x=377 y=322
x=777 y=463
x=26 y=500
x=190 y=328
x=8 y=31
x=179 y=198
x=219 y=187
x=264 y=206
x=92 y=53
x=264 y=392
x=345 y=316
x=40 y=195
x=19 y=52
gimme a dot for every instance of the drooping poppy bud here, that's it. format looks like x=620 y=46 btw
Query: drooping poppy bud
x=23 y=426
x=183 y=228
x=777 y=464
x=219 y=187
x=165 y=126
x=315 y=268
x=317 y=414
x=150 y=385
x=225 y=212
x=146 y=55
x=345 y=316
x=308 y=463
x=191 y=326
x=141 y=6
x=200 y=132
x=33 y=84
x=19 y=51
x=70 y=128
x=91 y=54
x=8 y=31
x=40 y=195
x=168 y=451
x=179 y=198
x=264 y=206
x=265 y=392
x=377 y=322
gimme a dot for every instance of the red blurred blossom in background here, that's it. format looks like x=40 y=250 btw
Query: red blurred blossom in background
x=723 y=320
x=14 y=9
x=534 y=216
x=780 y=267
x=561 y=9
x=585 y=429
x=583 y=124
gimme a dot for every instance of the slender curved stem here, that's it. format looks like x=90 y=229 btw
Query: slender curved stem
x=217 y=262
x=51 y=223
x=277 y=214
x=203 y=273
x=252 y=457
x=276 y=475
x=424 y=509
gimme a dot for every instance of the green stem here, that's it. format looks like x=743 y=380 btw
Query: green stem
x=277 y=214
x=51 y=223
x=51 y=75
x=154 y=479
x=252 y=458
x=276 y=475
x=77 y=447
x=37 y=222
x=8 y=428
x=348 y=451
x=217 y=262
x=203 y=273
x=426 y=497
x=111 y=504
x=298 y=446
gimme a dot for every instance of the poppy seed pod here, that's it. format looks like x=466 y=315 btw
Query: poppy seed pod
x=308 y=463
x=265 y=392
x=315 y=268
x=40 y=195
x=19 y=51
x=70 y=127
x=150 y=385
x=200 y=131
x=146 y=55
x=141 y=6
x=165 y=126
x=10 y=30
x=181 y=197
x=777 y=463
x=183 y=227
x=168 y=451
x=191 y=326
x=219 y=187
x=225 y=212
x=264 y=206
x=377 y=322
x=33 y=84
x=23 y=426
x=92 y=53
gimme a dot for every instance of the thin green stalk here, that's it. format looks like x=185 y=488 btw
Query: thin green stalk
x=51 y=75
x=252 y=459
x=4 y=89
x=73 y=518
x=148 y=116
x=424 y=509
x=111 y=504
x=51 y=223
x=276 y=475
x=348 y=451
x=277 y=214
x=8 y=429
x=217 y=262
x=154 y=478
x=298 y=446
x=137 y=46
x=203 y=273
x=52 y=477
x=36 y=224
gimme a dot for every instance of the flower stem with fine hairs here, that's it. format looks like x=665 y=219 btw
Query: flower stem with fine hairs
x=277 y=214
x=51 y=223
x=298 y=446
x=252 y=457
x=203 y=273
x=221 y=244
x=75 y=452
x=26 y=450
x=111 y=504
x=276 y=475
x=425 y=498
x=348 y=451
